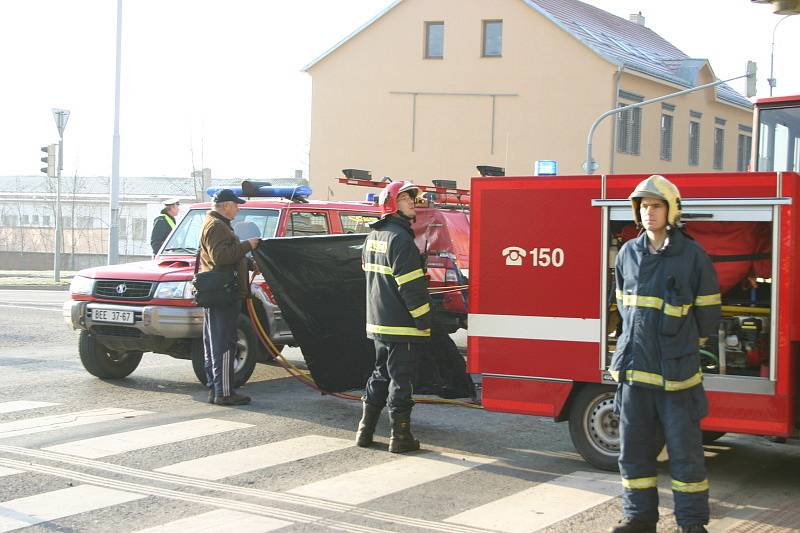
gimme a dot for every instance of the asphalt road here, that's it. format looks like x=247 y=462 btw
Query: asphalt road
x=84 y=454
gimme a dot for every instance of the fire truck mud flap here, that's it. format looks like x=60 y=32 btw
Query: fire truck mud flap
x=320 y=286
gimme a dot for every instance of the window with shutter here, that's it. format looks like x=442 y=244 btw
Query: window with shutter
x=694 y=143
x=719 y=148
x=666 y=137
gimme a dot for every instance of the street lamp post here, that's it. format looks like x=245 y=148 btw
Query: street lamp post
x=61 y=116
x=772 y=82
x=113 y=227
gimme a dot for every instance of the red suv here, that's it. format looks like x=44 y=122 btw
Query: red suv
x=125 y=310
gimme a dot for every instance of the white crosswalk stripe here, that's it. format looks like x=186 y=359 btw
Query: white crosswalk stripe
x=336 y=500
x=220 y=520
x=257 y=457
x=22 y=405
x=400 y=474
x=67 y=420
x=544 y=504
x=23 y=512
x=146 y=438
x=8 y=471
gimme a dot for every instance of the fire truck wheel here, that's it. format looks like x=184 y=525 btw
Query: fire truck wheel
x=712 y=436
x=246 y=354
x=594 y=428
x=104 y=363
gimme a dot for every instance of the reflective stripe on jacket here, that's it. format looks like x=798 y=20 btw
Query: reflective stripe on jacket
x=398 y=304
x=667 y=301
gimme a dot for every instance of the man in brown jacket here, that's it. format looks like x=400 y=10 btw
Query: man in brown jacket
x=220 y=249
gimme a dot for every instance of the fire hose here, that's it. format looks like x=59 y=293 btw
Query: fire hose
x=307 y=380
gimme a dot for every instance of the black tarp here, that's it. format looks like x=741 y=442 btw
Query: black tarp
x=320 y=288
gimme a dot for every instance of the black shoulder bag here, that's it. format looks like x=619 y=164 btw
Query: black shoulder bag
x=215 y=287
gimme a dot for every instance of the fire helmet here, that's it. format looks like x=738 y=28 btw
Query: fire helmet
x=388 y=197
x=658 y=187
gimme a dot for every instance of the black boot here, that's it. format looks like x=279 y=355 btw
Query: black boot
x=366 y=427
x=402 y=440
x=633 y=525
x=694 y=528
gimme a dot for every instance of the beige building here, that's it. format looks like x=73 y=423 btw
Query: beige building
x=431 y=88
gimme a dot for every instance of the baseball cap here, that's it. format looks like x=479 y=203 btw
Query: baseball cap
x=226 y=195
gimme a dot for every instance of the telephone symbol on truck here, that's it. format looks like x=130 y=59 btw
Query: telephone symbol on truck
x=514 y=255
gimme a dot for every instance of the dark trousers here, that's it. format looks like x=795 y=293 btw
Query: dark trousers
x=219 y=342
x=391 y=383
x=644 y=412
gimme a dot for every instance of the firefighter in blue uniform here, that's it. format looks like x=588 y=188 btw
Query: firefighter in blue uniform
x=398 y=316
x=164 y=223
x=668 y=297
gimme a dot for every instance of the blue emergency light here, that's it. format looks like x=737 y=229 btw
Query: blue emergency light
x=372 y=197
x=545 y=167
x=266 y=191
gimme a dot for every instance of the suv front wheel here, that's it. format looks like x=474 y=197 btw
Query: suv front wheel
x=244 y=361
x=99 y=361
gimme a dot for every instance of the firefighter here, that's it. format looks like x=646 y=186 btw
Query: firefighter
x=668 y=297
x=398 y=316
x=164 y=223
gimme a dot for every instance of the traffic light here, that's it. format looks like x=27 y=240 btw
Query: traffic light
x=50 y=159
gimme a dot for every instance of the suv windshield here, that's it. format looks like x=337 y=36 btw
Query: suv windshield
x=249 y=223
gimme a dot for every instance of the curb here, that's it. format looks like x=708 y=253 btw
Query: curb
x=64 y=288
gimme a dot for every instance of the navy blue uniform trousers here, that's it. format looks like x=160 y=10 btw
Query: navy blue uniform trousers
x=391 y=382
x=645 y=412
x=219 y=343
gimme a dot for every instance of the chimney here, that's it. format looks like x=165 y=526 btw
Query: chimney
x=637 y=18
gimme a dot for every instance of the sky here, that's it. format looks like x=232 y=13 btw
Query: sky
x=219 y=83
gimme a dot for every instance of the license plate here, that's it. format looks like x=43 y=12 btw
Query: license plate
x=112 y=315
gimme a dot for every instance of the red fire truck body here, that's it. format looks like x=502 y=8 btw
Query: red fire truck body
x=542 y=315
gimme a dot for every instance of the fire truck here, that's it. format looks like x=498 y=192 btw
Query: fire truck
x=542 y=313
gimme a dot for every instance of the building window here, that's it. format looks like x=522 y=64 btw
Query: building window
x=434 y=40
x=694 y=143
x=743 y=152
x=666 y=137
x=629 y=131
x=35 y=220
x=123 y=228
x=25 y=220
x=66 y=222
x=84 y=222
x=46 y=221
x=139 y=229
x=719 y=148
x=492 y=38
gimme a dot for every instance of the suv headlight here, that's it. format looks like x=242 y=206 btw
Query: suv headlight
x=174 y=290
x=81 y=285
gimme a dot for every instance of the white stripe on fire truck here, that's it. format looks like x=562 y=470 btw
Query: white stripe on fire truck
x=358 y=487
x=534 y=327
x=545 y=504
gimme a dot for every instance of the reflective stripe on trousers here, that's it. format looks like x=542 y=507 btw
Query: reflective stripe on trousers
x=219 y=343
x=644 y=412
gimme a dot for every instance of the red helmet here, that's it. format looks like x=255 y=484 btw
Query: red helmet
x=388 y=197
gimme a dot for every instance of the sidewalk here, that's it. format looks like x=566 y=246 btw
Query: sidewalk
x=34 y=279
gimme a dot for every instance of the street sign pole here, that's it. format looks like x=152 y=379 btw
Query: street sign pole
x=61 y=116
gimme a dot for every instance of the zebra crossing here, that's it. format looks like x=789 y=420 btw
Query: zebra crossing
x=338 y=501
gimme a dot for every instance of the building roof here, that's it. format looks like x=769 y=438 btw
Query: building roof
x=615 y=39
